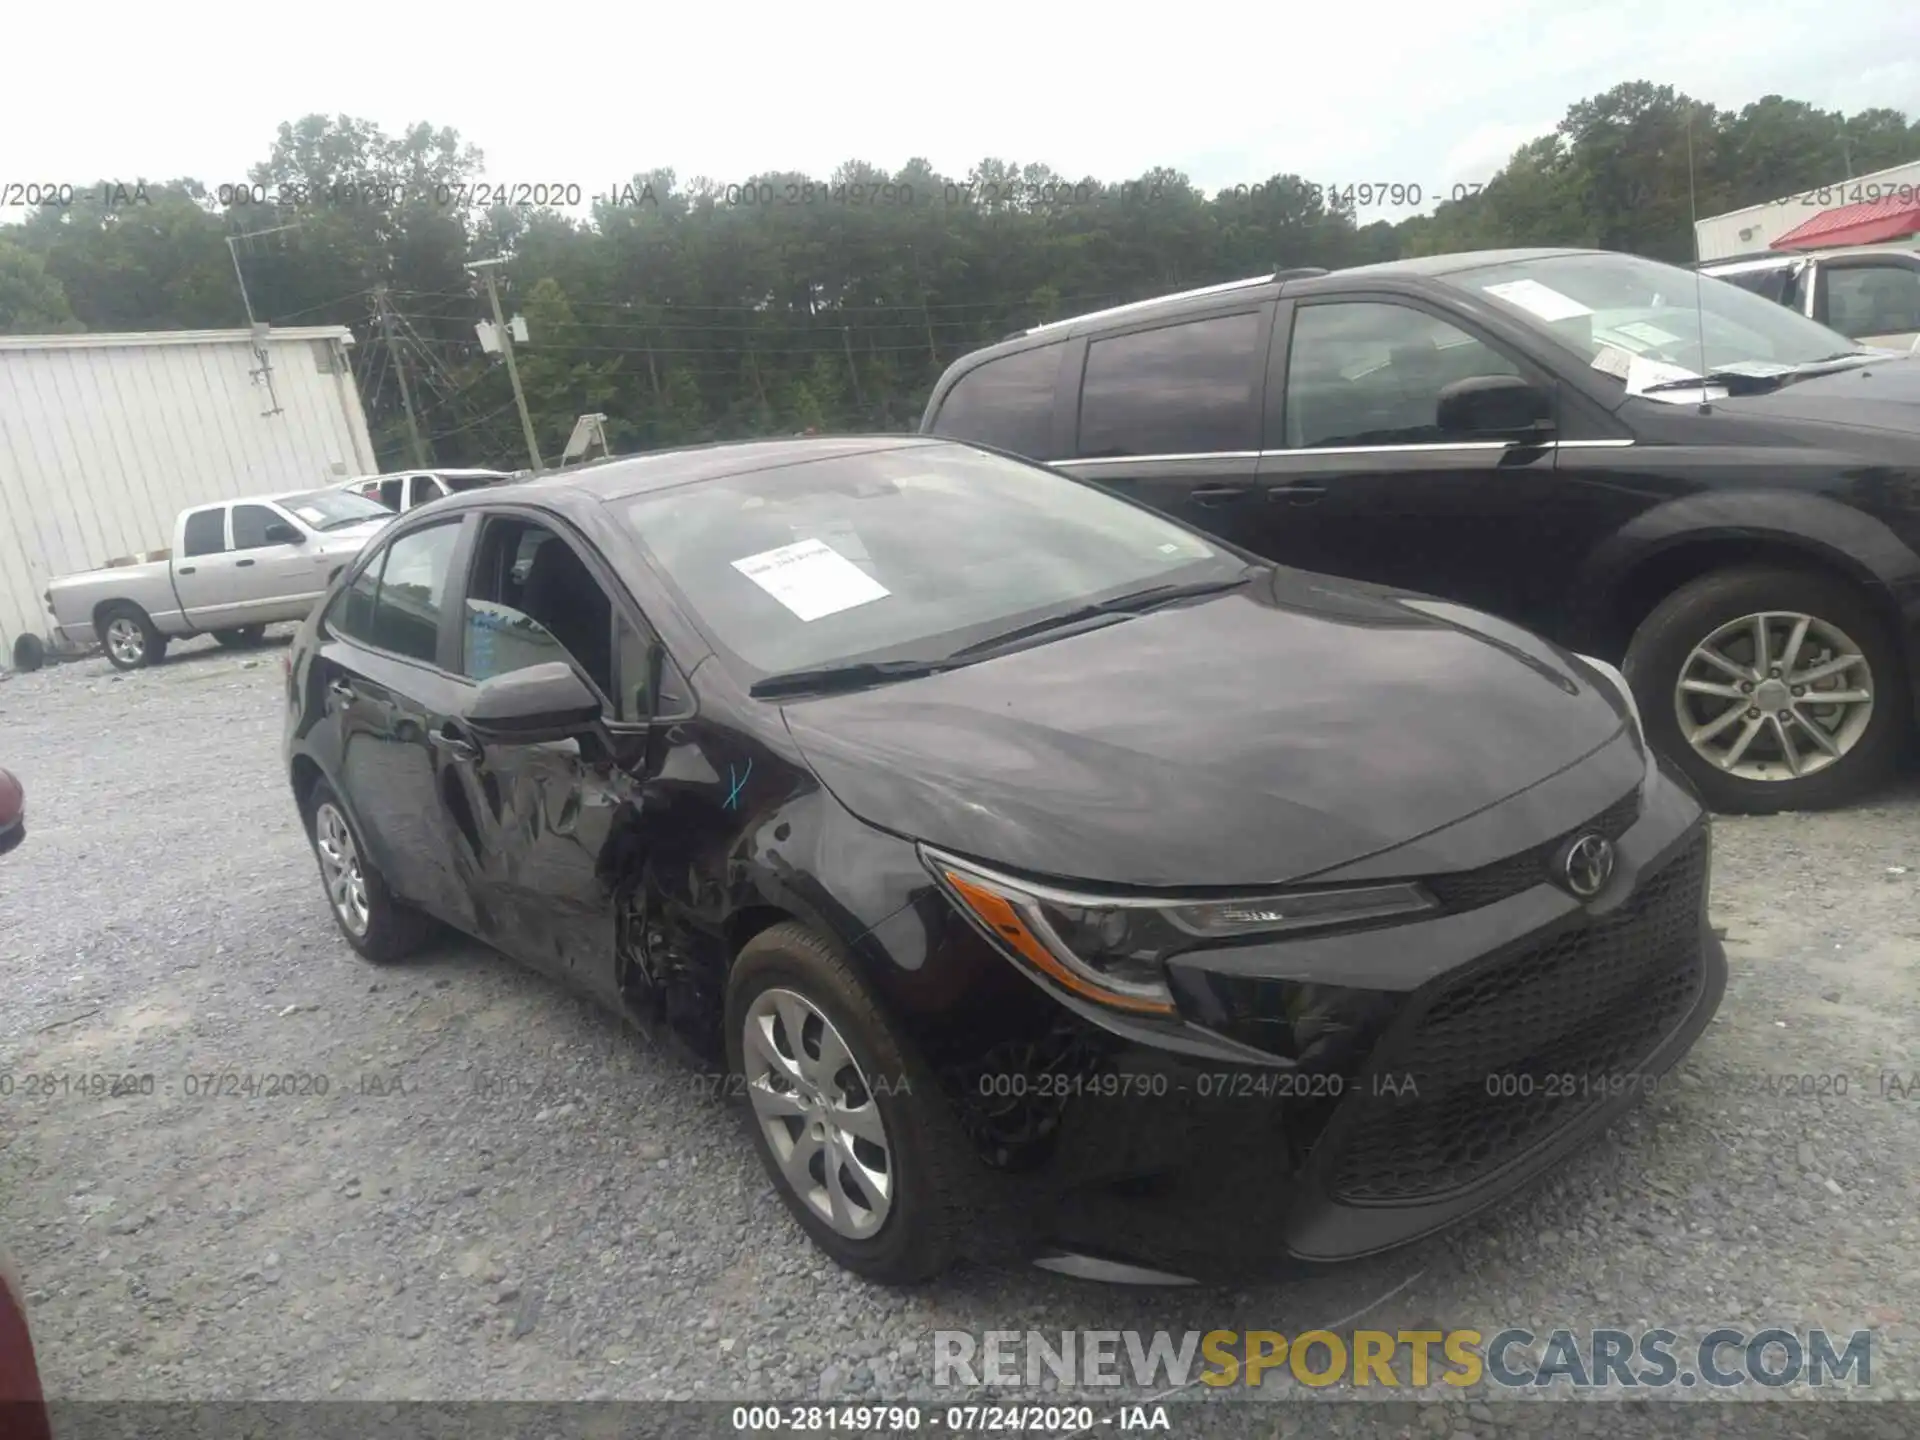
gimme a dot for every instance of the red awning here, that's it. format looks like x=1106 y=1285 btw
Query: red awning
x=1868 y=223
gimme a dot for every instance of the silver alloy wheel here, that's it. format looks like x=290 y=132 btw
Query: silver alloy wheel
x=1775 y=695
x=126 y=639
x=340 y=868
x=818 y=1113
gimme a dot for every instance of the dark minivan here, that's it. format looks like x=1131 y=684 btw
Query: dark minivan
x=1636 y=461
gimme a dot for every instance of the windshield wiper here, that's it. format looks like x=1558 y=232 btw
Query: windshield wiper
x=844 y=677
x=1135 y=602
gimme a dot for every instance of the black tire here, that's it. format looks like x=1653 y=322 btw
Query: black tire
x=242 y=638
x=394 y=930
x=29 y=653
x=1693 y=612
x=921 y=1234
x=151 y=647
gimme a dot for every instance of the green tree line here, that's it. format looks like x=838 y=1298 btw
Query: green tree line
x=691 y=311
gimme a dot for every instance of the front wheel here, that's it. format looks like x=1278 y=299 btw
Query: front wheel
x=849 y=1124
x=129 y=637
x=1772 y=689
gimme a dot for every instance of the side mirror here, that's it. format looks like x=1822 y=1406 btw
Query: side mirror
x=281 y=533
x=539 y=703
x=1495 y=407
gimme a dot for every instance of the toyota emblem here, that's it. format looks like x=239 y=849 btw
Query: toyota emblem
x=1588 y=865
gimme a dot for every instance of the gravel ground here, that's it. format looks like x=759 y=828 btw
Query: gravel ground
x=503 y=1194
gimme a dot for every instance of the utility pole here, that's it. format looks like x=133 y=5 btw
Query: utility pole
x=486 y=269
x=259 y=331
x=420 y=457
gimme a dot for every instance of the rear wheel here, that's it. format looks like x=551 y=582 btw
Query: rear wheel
x=849 y=1123
x=129 y=637
x=373 y=919
x=241 y=638
x=1772 y=689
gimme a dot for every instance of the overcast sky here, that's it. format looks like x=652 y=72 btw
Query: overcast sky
x=591 y=92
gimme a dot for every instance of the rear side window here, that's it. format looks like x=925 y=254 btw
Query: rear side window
x=412 y=592
x=1006 y=403
x=206 y=532
x=352 y=614
x=421 y=489
x=1188 y=389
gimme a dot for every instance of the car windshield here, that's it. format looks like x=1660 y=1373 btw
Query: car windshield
x=1613 y=309
x=907 y=553
x=335 y=509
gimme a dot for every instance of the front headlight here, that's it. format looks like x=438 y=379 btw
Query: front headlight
x=1619 y=683
x=1113 y=950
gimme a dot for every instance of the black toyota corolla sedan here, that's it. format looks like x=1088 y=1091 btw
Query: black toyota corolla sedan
x=1052 y=880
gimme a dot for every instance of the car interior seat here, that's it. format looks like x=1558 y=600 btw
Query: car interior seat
x=562 y=595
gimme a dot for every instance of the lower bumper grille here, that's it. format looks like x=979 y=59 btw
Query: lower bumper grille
x=1501 y=1058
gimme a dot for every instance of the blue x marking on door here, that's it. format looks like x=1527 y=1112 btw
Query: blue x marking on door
x=739 y=783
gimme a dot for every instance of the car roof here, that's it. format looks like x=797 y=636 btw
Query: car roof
x=1284 y=282
x=1768 y=259
x=630 y=475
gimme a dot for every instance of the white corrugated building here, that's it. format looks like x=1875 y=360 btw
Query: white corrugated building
x=1754 y=229
x=105 y=438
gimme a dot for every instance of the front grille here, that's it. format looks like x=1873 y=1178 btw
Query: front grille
x=1470 y=889
x=1501 y=1058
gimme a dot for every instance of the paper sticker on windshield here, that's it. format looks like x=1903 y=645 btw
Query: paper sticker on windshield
x=1542 y=300
x=1646 y=334
x=309 y=514
x=811 y=579
x=1614 y=361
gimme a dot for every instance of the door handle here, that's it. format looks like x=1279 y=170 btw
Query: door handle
x=343 y=692
x=453 y=745
x=1299 y=492
x=241 y=564
x=1217 y=494
x=183 y=569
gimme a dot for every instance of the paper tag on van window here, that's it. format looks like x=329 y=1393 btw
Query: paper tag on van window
x=1614 y=361
x=311 y=515
x=1647 y=334
x=1542 y=300
x=811 y=579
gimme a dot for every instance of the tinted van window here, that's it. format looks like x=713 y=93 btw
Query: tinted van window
x=1177 y=390
x=1006 y=403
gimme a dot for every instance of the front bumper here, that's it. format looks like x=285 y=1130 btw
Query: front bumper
x=1475 y=1052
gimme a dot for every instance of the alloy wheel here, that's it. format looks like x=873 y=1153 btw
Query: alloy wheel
x=1774 y=695
x=340 y=868
x=818 y=1113
x=126 y=640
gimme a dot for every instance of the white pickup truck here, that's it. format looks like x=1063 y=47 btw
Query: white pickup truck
x=234 y=568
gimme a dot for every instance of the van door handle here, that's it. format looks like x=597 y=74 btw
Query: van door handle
x=453 y=745
x=1299 y=492
x=1217 y=494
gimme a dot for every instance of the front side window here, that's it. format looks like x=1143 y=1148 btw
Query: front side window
x=422 y=489
x=250 y=523
x=1610 y=310
x=412 y=592
x=533 y=600
x=206 y=532
x=1367 y=373
x=908 y=552
x=1862 y=300
x=1006 y=403
x=1184 y=389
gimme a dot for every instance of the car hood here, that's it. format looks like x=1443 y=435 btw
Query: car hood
x=1248 y=740
x=1882 y=396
